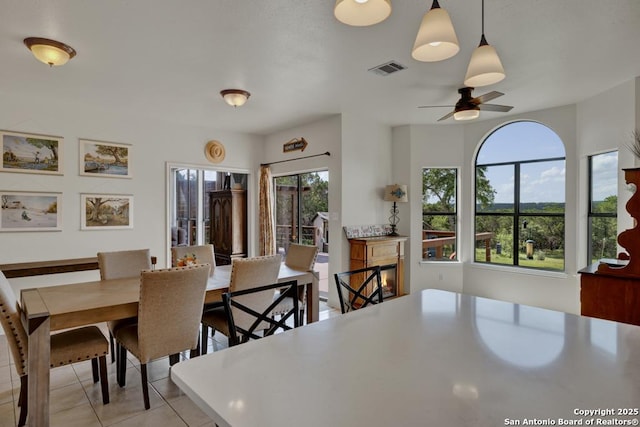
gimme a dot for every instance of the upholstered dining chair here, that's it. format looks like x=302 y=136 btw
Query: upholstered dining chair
x=198 y=254
x=120 y=265
x=71 y=346
x=246 y=273
x=249 y=311
x=298 y=257
x=169 y=313
x=359 y=288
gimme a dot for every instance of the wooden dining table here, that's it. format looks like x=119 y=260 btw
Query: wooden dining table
x=52 y=308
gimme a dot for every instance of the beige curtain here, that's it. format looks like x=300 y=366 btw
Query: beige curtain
x=267 y=217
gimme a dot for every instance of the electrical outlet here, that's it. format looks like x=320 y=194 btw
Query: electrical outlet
x=439 y=276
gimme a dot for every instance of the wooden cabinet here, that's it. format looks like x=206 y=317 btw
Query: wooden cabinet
x=608 y=296
x=228 y=224
x=384 y=251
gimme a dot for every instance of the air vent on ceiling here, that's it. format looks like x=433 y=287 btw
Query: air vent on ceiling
x=387 y=68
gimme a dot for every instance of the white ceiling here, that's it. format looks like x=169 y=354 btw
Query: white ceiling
x=168 y=60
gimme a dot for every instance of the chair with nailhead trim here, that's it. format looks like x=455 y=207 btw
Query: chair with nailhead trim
x=72 y=346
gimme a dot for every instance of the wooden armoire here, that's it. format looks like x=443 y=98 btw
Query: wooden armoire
x=228 y=224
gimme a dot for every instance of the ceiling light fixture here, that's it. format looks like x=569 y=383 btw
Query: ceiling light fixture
x=361 y=13
x=436 y=39
x=49 y=51
x=485 y=67
x=235 y=97
x=471 y=114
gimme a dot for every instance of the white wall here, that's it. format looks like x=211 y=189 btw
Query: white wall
x=153 y=144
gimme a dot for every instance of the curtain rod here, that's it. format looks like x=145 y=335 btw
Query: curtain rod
x=326 y=153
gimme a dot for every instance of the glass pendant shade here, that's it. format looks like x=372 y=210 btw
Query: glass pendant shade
x=50 y=52
x=485 y=67
x=436 y=39
x=360 y=13
x=466 y=114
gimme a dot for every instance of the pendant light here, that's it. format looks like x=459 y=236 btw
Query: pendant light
x=485 y=67
x=436 y=39
x=361 y=13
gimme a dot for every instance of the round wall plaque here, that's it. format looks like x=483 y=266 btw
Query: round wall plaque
x=214 y=150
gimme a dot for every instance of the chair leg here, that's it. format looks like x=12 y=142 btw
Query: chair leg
x=94 y=369
x=104 y=382
x=195 y=352
x=122 y=372
x=173 y=359
x=113 y=349
x=204 y=338
x=145 y=385
x=22 y=400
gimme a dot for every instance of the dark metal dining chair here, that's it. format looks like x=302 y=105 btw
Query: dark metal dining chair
x=249 y=311
x=359 y=288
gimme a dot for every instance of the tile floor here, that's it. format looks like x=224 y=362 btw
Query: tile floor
x=76 y=401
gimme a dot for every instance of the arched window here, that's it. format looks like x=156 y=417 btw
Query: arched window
x=520 y=197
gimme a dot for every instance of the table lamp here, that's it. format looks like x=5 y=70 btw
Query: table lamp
x=395 y=193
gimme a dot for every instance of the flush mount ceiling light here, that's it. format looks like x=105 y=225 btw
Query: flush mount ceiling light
x=436 y=39
x=361 y=13
x=49 y=51
x=235 y=97
x=485 y=67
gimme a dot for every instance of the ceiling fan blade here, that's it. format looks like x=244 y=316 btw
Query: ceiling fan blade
x=495 y=107
x=488 y=96
x=435 y=106
x=446 y=116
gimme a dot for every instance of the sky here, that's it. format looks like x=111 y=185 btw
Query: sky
x=539 y=182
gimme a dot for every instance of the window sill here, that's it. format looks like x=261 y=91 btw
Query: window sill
x=520 y=270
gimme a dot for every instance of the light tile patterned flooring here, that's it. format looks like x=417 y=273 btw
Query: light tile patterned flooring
x=77 y=401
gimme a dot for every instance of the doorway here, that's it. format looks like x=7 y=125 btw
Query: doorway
x=302 y=205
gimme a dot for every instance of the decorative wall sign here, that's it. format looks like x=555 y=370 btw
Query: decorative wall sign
x=106 y=211
x=105 y=159
x=30 y=211
x=294 y=145
x=214 y=151
x=31 y=153
x=357 y=231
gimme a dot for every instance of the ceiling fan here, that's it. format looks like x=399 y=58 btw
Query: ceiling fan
x=468 y=108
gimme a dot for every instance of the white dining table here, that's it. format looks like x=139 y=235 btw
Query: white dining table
x=59 y=307
x=431 y=358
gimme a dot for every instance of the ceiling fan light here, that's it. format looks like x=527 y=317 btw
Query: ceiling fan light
x=50 y=52
x=361 y=13
x=436 y=39
x=235 y=97
x=485 y=67
x=466 y=114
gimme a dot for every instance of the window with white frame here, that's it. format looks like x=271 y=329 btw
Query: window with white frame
x=603 y=206
x=439 y=214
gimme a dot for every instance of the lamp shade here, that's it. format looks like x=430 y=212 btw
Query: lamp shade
x=360 y=13
x=436 y=39
x=49 y=51
x=396 y=193
x=235 y=97
x=485 y=67
x=466 y=114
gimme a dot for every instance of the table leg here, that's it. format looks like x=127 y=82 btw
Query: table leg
x=38 y=369
x=313 y=299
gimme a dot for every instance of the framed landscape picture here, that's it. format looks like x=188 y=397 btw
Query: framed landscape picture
x=106 y=211
x=105 y=159
x=30 y=211
x=31 y=153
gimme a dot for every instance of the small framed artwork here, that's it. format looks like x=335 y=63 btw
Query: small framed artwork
x=106 y=211
x=30 y=211
x=31 y=153
x=105 y=159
